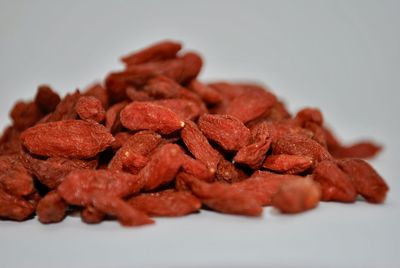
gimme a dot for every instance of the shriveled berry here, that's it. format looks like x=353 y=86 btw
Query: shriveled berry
x=297 y=196
x=51 y=208
x=69 y=138
x=290 y=164
x=226 y=130
x=335 y=184
x=168 y=203
x=149 y=116
x=368 y=183
x=90 y=108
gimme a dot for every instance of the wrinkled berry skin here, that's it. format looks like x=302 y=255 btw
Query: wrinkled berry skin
x=69 y=138
x=149 y=116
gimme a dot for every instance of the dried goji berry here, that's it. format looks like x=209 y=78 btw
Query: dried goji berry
x=196 y=168
x=98 y=91
x=168 y=203
x=90 y=108
x=226 y=130
x=290 y=164
x=51 y=208
x=199 y=146
x=159 y=51
x=115 y=206
x=14 y=208
x=206 y=93
x=150 y=116
x=91 y=215
x=10 y=142
x=25 y=114
x=313 y=115
x=185 y=109
x=14 y=178
x=224 y=197
x=69 y=138
x=366 y=180
x=135 y=95
x=79 y=186
x=46 y=99
x=254 y=153
x=364 y=149
x=300 y=145
x=263 y=185
x=335 y=184
x=65 y=110
x=297 y=196
x=227 y=172
x=51 y=172
x=164 y=164
x=250 y=104
x=132 y=156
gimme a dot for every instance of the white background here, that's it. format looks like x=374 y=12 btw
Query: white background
x=341 y=56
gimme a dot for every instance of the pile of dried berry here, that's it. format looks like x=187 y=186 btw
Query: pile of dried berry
x=154 y=141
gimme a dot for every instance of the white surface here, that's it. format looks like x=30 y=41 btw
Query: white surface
x=341 y=56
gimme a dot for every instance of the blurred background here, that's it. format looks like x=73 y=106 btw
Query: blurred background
x=341 y=56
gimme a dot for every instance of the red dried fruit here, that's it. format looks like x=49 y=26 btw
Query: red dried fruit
x=263 y=185
x=162 y=87
x=358 y=150
x=228 y=90
x=14 y=178
x=157 y=52
x=191 y=66
x=90 y=108
x=223 y=197
x=115 y=206
x=10 y=142
x=91 y=215
x=335 y=184
x=149 y=116
x=157 y=94
x=120 y=139
x=227 y=172
x=300 y=145
x=65 y=110
x=46 y=99
x=196 y=168
x=307 y=115
x=136 y=95
x=297 y=196
x=226 y=130
x=51 y=172
x=14 y=208
x=133 y=154
x=251 y=104
x=206 y=93
x=254 y=153
x=168 y=203
x=331 y=140
x=368 y=183
x=79 y=186
x=99 y=92
x=282 y=128
x=185 y=109
x=278 y=112
x=198 y=145
x=51 y=208
x=290 y=164
x=113 y=123
x=70 y=138
x=164 y=164
x=25 y=114
x=318 y=133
